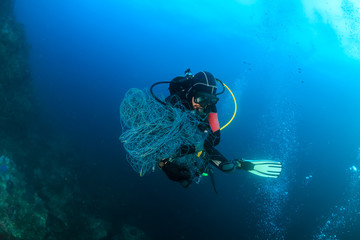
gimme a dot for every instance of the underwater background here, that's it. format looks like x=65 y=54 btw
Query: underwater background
x=293 y=67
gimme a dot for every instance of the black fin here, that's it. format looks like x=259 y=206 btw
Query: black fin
x=212 y=178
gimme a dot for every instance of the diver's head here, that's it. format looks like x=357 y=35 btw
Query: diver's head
x=203 y=82
x=202 y=92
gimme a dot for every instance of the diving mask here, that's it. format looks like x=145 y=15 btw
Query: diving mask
x=205 y=99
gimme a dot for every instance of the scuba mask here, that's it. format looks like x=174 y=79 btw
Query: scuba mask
x=205 y=100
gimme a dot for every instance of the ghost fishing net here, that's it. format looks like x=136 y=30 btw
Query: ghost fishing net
x=153 y=131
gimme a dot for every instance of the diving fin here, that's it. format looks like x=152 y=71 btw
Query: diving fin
x=262 y=168
x=212 y=178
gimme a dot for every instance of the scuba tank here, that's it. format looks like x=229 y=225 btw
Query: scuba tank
x=180 y=85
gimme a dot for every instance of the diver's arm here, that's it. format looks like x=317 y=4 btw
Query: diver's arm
x=187 y=149
x=213 y=138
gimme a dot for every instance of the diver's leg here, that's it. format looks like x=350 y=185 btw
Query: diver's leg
x=219 y=161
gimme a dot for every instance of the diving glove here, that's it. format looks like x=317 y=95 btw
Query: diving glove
x=262 y=168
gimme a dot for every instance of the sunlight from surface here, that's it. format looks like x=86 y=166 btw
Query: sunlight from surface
x=342 y=16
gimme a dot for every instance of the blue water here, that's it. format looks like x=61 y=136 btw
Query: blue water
x=294 y=68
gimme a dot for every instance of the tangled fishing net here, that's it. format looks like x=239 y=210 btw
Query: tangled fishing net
x=153 y=131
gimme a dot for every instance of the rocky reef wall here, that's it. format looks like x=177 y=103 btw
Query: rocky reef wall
x=39 y=193
x=15 y=78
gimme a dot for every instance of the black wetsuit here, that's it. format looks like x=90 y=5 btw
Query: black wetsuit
x=210 y=124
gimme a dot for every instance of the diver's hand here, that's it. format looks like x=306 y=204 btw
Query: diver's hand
x=163 y=162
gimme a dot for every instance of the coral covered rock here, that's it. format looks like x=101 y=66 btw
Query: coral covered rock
x=129 y=232
x=22 y=214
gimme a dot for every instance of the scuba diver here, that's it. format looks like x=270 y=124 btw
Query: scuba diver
x=198 y=93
